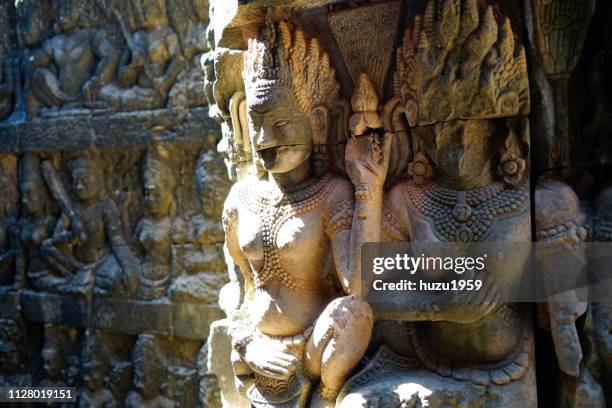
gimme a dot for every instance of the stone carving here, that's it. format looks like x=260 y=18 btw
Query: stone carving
x=94 y=394
x=196 y=284
x=148 y=362
x=8 y=223
x=293 y=320
x=67 y=68
x=461 y=115
x=560 y=221
x=150 y=63
x=14 y=372
x=560 y=31
x=87 y=244
x=153 y=232
x=36 y=225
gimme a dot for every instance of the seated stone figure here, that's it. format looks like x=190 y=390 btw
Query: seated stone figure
x=71 y=66
x=148 y=363
x=468 y=185
x=290 y=234
x=87 y=243
x=149 y=65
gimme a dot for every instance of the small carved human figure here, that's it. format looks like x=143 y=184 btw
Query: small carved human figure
x=203 y=262
x=291 y=233
x=153 y=231
x=88 y=240
x=36 y=224
x=148 y=362
x=53 y=367
x=94 y=394
x=12 y=339
x=468 y=185
x=70 y=67
x=149 y=65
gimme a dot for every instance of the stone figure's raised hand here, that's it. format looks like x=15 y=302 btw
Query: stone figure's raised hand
x=270 y=359
x=367 y=159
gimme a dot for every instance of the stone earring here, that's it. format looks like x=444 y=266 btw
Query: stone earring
x=511 y=166
x=420 y=169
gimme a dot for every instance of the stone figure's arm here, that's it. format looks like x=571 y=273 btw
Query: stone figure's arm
x=42 y=57
x=107 y=63
x=230 y=227
x=174 y=68
x=559 y=227
x=120 y=248
x=130 y=64
x=366 y=163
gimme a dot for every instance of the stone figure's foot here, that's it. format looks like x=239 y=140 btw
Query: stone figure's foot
x=323 y=397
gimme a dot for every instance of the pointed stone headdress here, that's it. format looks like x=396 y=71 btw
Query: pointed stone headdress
x=284 y=57
x=459 y=62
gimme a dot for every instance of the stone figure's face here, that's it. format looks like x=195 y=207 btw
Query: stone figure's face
x=85 y=182
x=93 y=376
x=67 y=16
x=32 y=197
x=157 y=193
x=280 y=132
x=460 y=149
x=52 y=363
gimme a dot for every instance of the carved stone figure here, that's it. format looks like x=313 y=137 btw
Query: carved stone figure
x=153 y=232
x=35 y=225
x=190 y=21
x=457 y=119
x=88 y=241
x=203 y=262
x=559 y=222
x=290 y=233
x=14 y=372
x=601 y=312
x=94 y=394
x=149 y=364
x=69 y=68
x=150 y=63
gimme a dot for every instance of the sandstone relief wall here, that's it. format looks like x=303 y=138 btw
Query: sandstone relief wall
x=185 y=187
x=111 y=243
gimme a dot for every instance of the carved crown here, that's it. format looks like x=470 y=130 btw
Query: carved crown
x=459 y=62
x=285 y=57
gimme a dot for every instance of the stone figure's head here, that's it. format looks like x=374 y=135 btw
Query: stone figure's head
x=212 y=182
x=290 y=87
x=33 y=189
x=460 y=74
x=67 y=15
x=149 y=14
x=148 y=364
x=86 y=178
x=93 y=373
x=159 y=182
x=11 y=336
x=34 y=20
x=52 y=363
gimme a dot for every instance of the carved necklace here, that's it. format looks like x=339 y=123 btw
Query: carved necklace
x=465 y=216
x=274 y=208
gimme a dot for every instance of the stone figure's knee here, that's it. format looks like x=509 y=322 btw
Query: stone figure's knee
x=348 y=312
